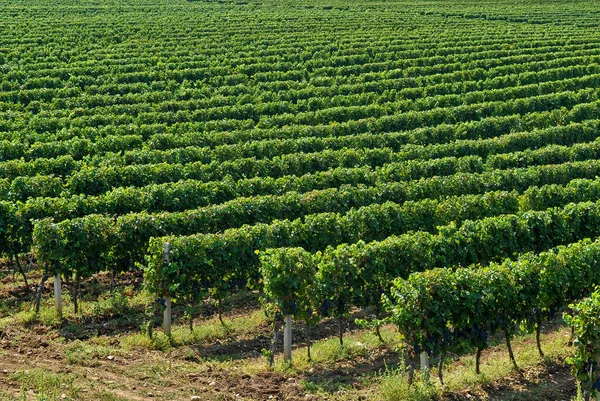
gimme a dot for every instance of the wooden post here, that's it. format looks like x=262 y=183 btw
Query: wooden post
x=167 y=312
x=287 y=339
x=58 y=294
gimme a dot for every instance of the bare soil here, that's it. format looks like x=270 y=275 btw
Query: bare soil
x=217 y=371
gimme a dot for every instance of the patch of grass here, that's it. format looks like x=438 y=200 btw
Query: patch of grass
x=213 y=330
x=138 y=298
x=73 y=330
x=325 y=387
x=108 y=396
x=6 y=310
x=329 y=351
x=459 y=373
x=48 y=316
x=158 y=342
x=495 y=363
x=47 y=385
x=87 y=354
x=189 y=353
x=157 y=371
x=359 y=347
x=121 y=303
x=115 y=304
x=394 y=387
x=160 y=371
x=206 y=332
x=4 y=396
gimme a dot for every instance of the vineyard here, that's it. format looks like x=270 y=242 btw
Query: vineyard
x=197 y=185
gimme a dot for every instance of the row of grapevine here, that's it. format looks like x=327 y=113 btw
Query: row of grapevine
x=79 y=148
x=196 y=193
x=256 y=208
x=134 y=230
x=34 y=93
x=441 y=308
x=199 y=163
x=360 y=273
x=97 y=180
x=583 y=319
x=560 y=94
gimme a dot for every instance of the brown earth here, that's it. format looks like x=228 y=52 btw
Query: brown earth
x=216 y=371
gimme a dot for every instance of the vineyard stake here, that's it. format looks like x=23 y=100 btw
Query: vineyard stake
x=597 y=392
x=287 y=339
x=58 y=294
x=424 y=362
x=167 y=312
x=167 y=316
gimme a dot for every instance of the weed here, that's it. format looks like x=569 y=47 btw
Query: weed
x=394 y=387
x=115 y=304
x=159 y=342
